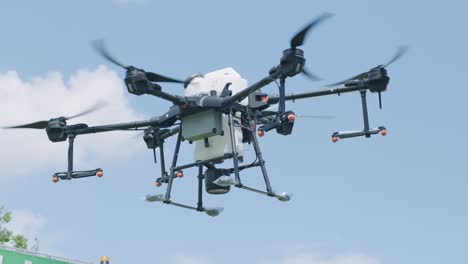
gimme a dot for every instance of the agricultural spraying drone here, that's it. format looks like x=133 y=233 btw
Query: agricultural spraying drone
x=218 y=113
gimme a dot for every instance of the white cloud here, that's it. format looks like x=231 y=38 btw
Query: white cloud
x=24 y=150
x=304 y=258
x=192 y=260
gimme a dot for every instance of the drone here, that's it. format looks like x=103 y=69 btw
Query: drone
x=218 y=113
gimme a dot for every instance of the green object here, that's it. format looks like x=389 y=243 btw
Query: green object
x=7 y=236
x=10 y=255
x=202 y=125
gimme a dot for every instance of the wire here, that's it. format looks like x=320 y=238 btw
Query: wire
x=277 y=84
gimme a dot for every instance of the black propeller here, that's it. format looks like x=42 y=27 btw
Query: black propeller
x=152 y=77
x=43 y=124
x=310 y=75
x=398 y=54
x=298 y=40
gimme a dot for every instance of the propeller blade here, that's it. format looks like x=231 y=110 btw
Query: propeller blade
x=93 y=108
x=44 y=124
x=298 y=39
x=310 y=75
x=100 y=47
x=357 y=77
x=154 y=77
x=399 y=53
x=35 y=125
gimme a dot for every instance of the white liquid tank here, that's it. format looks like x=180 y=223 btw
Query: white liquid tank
x=218 y=145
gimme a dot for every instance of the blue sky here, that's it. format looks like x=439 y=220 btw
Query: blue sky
x=394 y=199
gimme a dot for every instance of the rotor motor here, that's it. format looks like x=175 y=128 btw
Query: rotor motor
x=378 y=80
x=56 y=130
x=137 y=83
x=292 y=62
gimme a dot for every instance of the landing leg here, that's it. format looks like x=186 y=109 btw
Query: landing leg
x=71 y=140
x=200 y=189
x=235 y=159
x=161 y=157
x=172 y=171
x=70 y=173
x=364 y=112
x=260 y=159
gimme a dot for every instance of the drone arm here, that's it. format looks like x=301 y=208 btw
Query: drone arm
x=275 y=99
x=114 y=127
x=292 y=63
x=177 y=100
x=170 y=133
x=154 y=122
x=165 y=120
x=254 y=87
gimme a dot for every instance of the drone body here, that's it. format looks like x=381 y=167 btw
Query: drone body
x=219 y=112
x=193 y=126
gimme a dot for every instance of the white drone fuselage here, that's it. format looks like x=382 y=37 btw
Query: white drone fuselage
x=218 y=145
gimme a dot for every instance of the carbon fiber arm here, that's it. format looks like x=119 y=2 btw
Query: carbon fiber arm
x=254 y=87
x=274 y=99
x=166 y=120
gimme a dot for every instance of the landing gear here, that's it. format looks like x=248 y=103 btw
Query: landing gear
x=70 y=173
x=367 y=132
x=217 y=180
